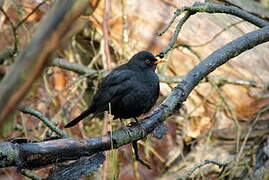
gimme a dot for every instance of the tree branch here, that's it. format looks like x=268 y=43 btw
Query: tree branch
x=33 y=155
x=209 y=8
x=175 y=35
x=219 y=8
x=199 y=165
x=45 y=120
x=28 y=15
x=83 y=70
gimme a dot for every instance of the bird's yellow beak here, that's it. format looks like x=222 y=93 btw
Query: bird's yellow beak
x=159 y=61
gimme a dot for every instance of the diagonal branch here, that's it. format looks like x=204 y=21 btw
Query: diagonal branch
x=30 y=14
x=45 y=120
x=33 y=155
x=176 y=33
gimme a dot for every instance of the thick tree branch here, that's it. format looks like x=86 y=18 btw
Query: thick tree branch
x=30 y=63
x=33 y=155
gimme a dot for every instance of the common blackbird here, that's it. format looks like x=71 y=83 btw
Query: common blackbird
x=128 y=91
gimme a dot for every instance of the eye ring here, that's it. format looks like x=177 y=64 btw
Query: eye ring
x=147 y=61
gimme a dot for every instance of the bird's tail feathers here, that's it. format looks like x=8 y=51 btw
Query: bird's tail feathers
x=79 y=118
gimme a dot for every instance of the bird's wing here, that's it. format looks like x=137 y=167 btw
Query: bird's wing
x=116 y=77
x=114 y=85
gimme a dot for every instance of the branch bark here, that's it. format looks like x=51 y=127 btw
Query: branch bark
x=33 y=155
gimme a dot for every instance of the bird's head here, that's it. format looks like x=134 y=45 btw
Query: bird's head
x=144 y=60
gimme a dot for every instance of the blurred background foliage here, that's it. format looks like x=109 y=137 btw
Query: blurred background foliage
x=219 y=120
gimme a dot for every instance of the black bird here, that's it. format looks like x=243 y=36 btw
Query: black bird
x=128 y=91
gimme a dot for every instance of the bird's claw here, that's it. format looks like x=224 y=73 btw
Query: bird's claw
x=137 y=158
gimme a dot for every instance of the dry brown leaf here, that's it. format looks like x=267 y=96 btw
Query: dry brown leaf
x=197 y=126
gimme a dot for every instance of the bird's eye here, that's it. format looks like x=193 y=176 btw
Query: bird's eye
x=147 y=61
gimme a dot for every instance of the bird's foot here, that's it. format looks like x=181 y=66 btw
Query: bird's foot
x=137 y=158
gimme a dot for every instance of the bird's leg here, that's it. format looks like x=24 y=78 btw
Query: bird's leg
x=137 y=158
x=125 y=128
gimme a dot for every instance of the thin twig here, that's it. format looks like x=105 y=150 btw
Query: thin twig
x=217 y=34
x=15 y=28
x=219 y=8
x=106 y=34
x=175 y=36
x=188 y=47
x=125 y=35
x=209 y=8
x=241 y=82
x=14 y=31
x=107 y=66
x=161 y=32
x=249 y=132
x=45 y=120
x=28 y=15
x=205 y=162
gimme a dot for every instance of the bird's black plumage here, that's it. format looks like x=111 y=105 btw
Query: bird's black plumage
x=131 y=89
